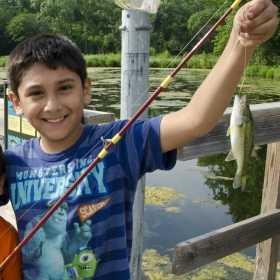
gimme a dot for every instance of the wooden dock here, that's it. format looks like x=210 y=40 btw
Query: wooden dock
x=267 y=130
x=264 y=229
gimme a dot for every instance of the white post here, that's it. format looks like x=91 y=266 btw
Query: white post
x=134 y=92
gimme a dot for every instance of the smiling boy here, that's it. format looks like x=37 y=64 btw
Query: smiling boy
x=49 y=84
x=53 y=104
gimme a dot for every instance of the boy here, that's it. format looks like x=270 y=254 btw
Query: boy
x=90 y=235
x=8 y=237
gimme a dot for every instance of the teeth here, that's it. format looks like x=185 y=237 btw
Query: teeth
x=55 y=120
x=58 y=220
x=86 y=267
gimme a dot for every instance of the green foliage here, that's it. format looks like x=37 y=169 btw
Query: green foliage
x=263 y=71
x=152 y=51
x=165 y=54
x=94 y=27
x=3 y=61
x=106 y=60
x=23 y=26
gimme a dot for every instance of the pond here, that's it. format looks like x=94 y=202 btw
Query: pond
x=206 y=200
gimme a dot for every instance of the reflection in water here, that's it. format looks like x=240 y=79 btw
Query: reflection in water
x=242 y=205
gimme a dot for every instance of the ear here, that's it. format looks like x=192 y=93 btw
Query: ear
x=15 y=100
x=87 y=91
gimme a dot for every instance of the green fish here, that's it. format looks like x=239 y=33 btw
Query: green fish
x=241 y=131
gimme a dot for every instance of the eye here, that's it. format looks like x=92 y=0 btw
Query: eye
x=86 y=257
x=36 y=93
x=63 y=88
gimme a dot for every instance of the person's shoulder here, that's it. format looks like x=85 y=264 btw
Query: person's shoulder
x=26 y=145
x=4 y=224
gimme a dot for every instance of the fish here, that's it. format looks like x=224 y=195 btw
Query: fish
x=241 y=132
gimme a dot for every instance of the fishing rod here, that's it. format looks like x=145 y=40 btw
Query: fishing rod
x=118 y=136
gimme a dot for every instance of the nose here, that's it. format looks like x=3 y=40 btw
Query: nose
x=53 y=103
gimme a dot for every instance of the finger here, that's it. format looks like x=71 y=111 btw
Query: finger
x=253 y=9
x=87 y=235
x=267 y=19
x=261 y=32
x=77 y=228
x=88 y=222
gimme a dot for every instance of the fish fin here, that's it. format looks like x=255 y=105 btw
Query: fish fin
x=239 y=181
x=230 y=156
x=254 y=152
x=244 y=179
x=229 y=131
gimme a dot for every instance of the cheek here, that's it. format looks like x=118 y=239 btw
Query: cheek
x=76 y=104
x=31 y=110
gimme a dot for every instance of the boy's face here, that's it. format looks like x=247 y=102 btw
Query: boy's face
x=53 y=102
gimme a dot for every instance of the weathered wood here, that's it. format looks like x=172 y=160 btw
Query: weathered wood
x=267 y=251
x=267 y=130
x=199 y=251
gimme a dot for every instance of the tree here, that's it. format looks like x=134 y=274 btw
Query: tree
x=170 y=26
x=25 y=25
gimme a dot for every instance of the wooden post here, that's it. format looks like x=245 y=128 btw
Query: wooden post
x=267 y=251
x=134 y=92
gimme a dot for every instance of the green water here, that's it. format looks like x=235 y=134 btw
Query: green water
x=211 y=202
x=206 y=179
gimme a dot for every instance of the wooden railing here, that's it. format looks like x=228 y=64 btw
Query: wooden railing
x=263 y=229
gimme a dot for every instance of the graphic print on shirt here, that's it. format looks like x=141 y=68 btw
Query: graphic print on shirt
x=53 y=254
x=83 y=266
x=49 y=183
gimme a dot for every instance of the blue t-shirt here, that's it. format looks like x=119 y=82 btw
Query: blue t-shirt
x=90 y=235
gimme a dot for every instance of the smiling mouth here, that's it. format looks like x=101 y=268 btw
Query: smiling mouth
x=58 y=220
x=55 y=120
x=86 y=267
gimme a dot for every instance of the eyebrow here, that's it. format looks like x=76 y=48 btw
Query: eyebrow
x=36 y=86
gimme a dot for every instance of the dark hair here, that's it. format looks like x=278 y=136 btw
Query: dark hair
x=51 y=50
x=2 y=162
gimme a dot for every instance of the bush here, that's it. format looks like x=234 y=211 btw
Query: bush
x=152 y=51
x=3 y=61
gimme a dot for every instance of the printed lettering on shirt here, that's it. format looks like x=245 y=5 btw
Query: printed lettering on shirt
x=47 y=183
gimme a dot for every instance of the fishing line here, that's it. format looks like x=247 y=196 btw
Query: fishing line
x=244 y=74
x=103 y=138
x=184 y=48
x=116 y=138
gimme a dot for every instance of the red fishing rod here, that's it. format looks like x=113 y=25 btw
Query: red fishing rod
x=118 y=136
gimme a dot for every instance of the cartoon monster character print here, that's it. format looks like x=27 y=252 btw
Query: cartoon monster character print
x=50 y=245
x=83 y=266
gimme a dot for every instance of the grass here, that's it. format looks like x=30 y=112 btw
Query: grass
x=164 y=60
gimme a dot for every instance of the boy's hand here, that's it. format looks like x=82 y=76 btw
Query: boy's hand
x=1 y=190
x=256 y=22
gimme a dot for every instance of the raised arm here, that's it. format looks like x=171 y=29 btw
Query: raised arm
x=254 y=23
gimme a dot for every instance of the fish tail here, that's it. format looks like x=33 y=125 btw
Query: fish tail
x=239 y=181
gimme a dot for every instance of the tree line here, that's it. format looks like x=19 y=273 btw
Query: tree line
x=94 y=26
